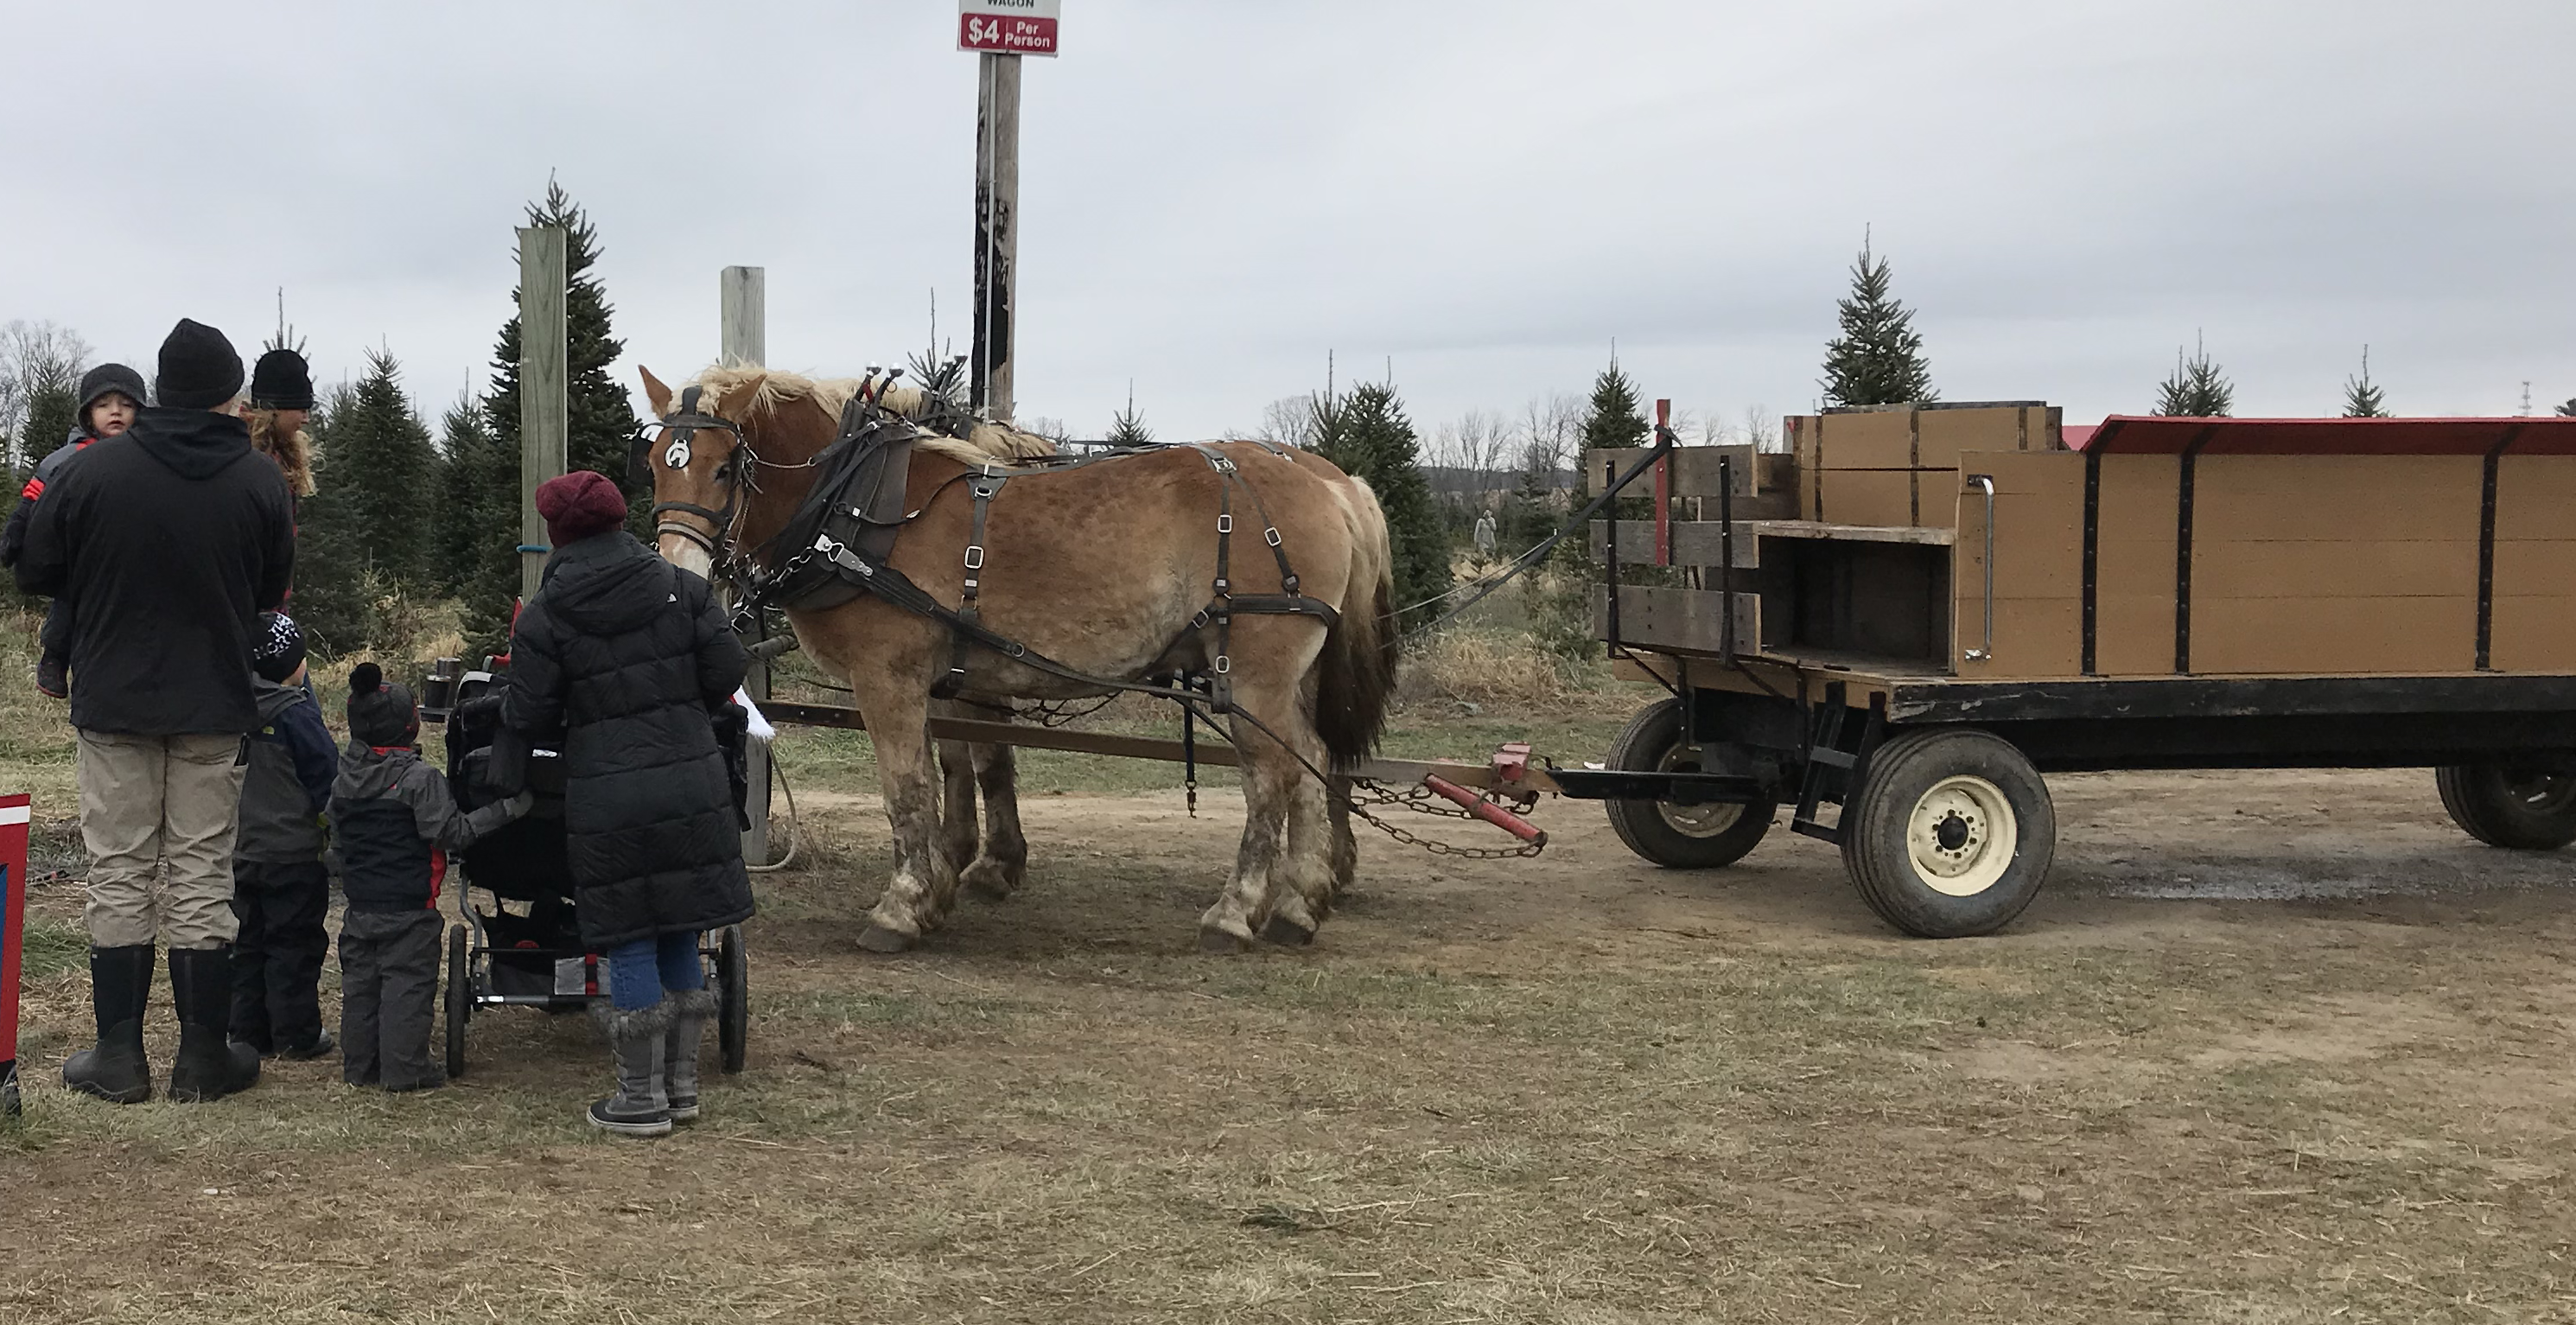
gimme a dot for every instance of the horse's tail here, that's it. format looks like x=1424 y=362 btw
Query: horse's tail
x=1356 y=674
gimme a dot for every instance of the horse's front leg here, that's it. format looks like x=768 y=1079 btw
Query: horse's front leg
x=923 y=875
x=1004 y=862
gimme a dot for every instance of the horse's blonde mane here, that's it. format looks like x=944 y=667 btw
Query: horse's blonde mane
x=743 y=392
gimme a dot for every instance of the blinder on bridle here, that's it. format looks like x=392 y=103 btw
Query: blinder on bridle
x=678 y=430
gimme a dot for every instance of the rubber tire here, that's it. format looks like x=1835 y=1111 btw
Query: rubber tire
x=460 y=1002
x=2485 y=807
x=1876 y=818
x=733 y=1015
x=1641 y=748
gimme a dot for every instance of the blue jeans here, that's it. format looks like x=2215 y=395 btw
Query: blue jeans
x=638 y=972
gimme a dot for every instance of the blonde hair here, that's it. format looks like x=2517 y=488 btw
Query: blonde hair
x=294 y=455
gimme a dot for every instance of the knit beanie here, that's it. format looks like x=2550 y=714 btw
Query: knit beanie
x=199 y=369
x=109 y=379
x=381 y=715
x=578 y=505
x=281 y=381
x=279 y=648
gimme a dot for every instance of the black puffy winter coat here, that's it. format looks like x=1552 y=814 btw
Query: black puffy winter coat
x=624 y=657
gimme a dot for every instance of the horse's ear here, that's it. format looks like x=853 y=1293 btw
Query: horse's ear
x=654 y=392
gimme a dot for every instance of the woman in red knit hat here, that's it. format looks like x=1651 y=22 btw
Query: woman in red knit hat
x=625 y=658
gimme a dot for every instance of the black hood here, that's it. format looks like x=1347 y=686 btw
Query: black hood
x=609 y=583
x=196 y=444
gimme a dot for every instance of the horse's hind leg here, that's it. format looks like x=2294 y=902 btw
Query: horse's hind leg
x=998 y=870
x=1345 y=847
x=1301 y=889
x=1268 y=780
x=957 y=802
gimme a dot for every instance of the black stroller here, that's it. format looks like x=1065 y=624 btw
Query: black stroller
x=526 y=950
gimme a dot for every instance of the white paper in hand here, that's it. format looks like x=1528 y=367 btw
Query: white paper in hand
x=761 y=731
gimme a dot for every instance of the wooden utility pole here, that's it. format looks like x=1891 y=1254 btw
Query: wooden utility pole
x=545 y=402
x=997 y=228
x=744 y=339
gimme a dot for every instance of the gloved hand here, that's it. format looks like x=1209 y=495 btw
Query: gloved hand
x=519 y=805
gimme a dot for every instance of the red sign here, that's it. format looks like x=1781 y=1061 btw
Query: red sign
x=1007 y=27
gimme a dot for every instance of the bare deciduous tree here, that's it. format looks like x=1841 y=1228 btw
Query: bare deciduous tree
x=35 y=358
x=1288 y=421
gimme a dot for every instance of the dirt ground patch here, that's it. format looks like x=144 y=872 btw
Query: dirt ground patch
x=2272 y=1047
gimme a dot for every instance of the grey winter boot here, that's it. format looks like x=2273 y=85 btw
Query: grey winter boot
x=689 y=1013
x=636 y=1039
x=120 y=985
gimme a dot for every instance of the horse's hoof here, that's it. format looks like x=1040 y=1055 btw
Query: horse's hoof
x=878 y=938
x=989 y=881
x=1286 y=933
x=1213 y=939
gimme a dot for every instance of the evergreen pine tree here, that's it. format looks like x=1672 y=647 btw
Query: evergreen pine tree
x=53 y=410
x=331 y=571
x=2568 y=410
x=473 y=466
x=1878 y=358
x=382 y=468
x=1127 y=427
x=1529 y=511
x=602 y=421
x=1368 y=436
x=2362 y=398
x=2197 y=390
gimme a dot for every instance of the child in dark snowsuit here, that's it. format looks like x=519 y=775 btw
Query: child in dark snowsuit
x=281 y=890
x=111 y=395
x=395 y=819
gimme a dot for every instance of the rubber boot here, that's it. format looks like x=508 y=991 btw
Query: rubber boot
x=689 y=1013
x=636 y=1039
x=120 y=987
x=210 y=1066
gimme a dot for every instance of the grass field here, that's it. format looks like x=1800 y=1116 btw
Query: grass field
x=2273 y=1048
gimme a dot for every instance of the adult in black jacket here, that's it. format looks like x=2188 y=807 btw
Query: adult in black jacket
x=169 y=539
x=625 y=659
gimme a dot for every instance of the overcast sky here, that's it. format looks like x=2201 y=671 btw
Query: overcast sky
x=1216 y=194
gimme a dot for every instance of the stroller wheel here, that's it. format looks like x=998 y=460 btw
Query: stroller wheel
x=460 y=1000
x=733 y=984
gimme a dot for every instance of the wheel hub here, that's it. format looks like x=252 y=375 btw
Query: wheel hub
x=1962 y=836
x=1693 y=820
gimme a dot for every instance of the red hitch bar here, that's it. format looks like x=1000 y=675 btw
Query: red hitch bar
x=1486 y=810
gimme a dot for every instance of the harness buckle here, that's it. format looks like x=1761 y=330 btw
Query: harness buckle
x=974 y=556
x=1222 y=585
x=1223 y=665
x=1271 y=536
x=1225 y=524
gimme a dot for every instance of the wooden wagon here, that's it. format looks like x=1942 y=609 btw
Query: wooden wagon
x=1900 y=625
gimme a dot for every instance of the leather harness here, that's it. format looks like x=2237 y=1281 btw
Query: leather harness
x=838 y=542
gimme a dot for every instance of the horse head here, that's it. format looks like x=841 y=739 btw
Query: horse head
x=727 y=462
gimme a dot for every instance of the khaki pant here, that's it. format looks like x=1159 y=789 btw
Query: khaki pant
x=157 y=815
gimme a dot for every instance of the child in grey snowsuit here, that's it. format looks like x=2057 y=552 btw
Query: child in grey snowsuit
x=111 y=395
x=281 y=891
x=395 y=819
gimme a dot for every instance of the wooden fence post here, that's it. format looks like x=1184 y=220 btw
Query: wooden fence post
x=545 y=405
x=744 y=339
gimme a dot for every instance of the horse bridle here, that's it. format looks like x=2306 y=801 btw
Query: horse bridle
x=677 y=429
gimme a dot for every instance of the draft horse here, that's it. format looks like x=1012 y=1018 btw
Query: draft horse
x=1064 y=580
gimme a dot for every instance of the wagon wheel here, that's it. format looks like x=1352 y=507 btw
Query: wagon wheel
x=1949 y=833
x=1681 y=836
x=2524 y=809
x=733 y=984
x=460 y=1000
